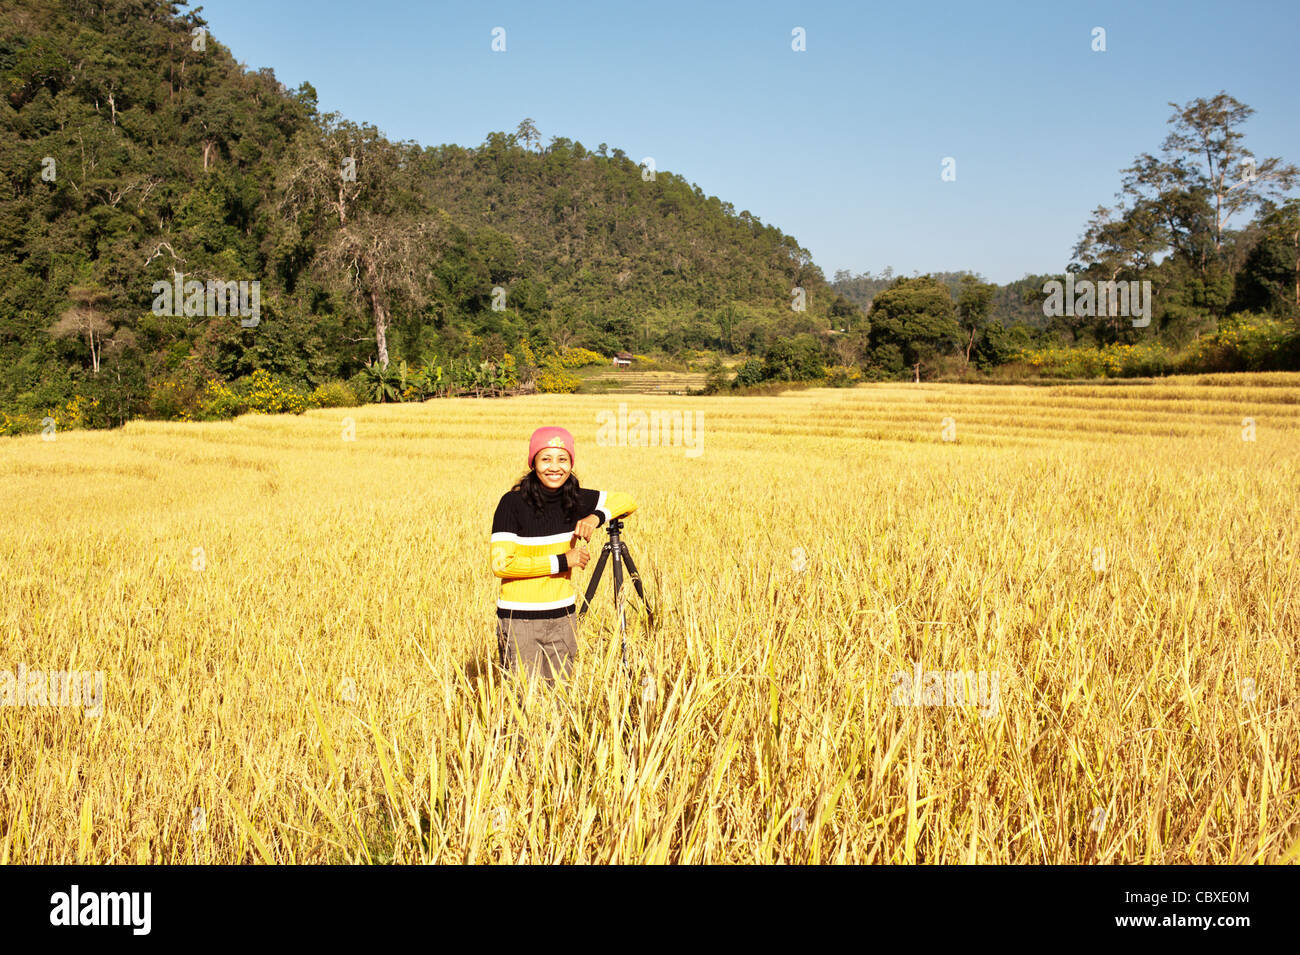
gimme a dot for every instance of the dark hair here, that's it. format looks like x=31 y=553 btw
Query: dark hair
x=533 y=490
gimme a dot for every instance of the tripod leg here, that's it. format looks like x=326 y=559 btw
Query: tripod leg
x=618 y=600
x=636 y=582
x=595 y=578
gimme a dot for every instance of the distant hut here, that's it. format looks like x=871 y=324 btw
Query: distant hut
x=623 y=359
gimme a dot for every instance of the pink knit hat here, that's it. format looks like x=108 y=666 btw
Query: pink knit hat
x=550 y=437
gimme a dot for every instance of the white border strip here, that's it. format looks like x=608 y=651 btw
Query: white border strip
x=548 y=605
x=531 y=541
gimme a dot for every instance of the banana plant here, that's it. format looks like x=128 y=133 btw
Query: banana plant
x=427 y=382
x=500 y=378
x=382 y=382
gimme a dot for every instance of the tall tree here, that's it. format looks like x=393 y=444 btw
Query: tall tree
x=527 y=132
x=356 y=186
x=1203 y=177
x=85 y=319
x=973 y=302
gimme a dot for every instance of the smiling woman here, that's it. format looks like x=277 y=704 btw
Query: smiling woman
x=538 y=536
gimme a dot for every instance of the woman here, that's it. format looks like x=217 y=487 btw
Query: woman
x=535 y=523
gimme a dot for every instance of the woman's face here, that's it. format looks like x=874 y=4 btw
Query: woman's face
x=553 y=466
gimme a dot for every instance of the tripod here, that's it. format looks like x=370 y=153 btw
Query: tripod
x=614 y=547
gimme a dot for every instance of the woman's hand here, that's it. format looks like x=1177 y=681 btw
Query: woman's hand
x=577 y=557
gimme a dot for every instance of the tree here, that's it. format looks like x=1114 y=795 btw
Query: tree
x=999 y=345
x=381 y=242
x=1204 y=129
x=727 y=316
x=973 y=303
x=794 y=359
x=1270 y=278
x=1204 y=176
x=716 y=378
x=84 y=319
x=843 y=312
x=748 y=374
x=527 y=132
x=1122 y=240
x=851 y=348
x=915 y=316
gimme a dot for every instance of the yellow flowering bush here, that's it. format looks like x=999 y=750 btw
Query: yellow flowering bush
x=556 y=380
x=72 y=414
x=1245 y=343
x=1143 y=359
x=267 y=396
x=580 y=358
x=842 y=376
x=335 y=394
x=18 y=424
x=75 y=411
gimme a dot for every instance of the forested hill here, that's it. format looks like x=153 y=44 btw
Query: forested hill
x=133 y=147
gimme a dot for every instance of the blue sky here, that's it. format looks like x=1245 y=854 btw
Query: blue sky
x=840 y=145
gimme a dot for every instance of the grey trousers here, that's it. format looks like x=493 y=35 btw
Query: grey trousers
x=548 y=647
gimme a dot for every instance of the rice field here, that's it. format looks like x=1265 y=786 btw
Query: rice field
x=615 y=380
x=893 y=624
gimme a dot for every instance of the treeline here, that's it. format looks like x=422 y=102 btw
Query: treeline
x=1016 y=303
x=1196 y=268
x=136 y=154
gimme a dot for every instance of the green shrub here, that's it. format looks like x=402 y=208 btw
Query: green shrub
x=748 y=374
x=174 y=398
x=218 y=402
x=794 y=359
x=384 y=382
x=842 y=376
